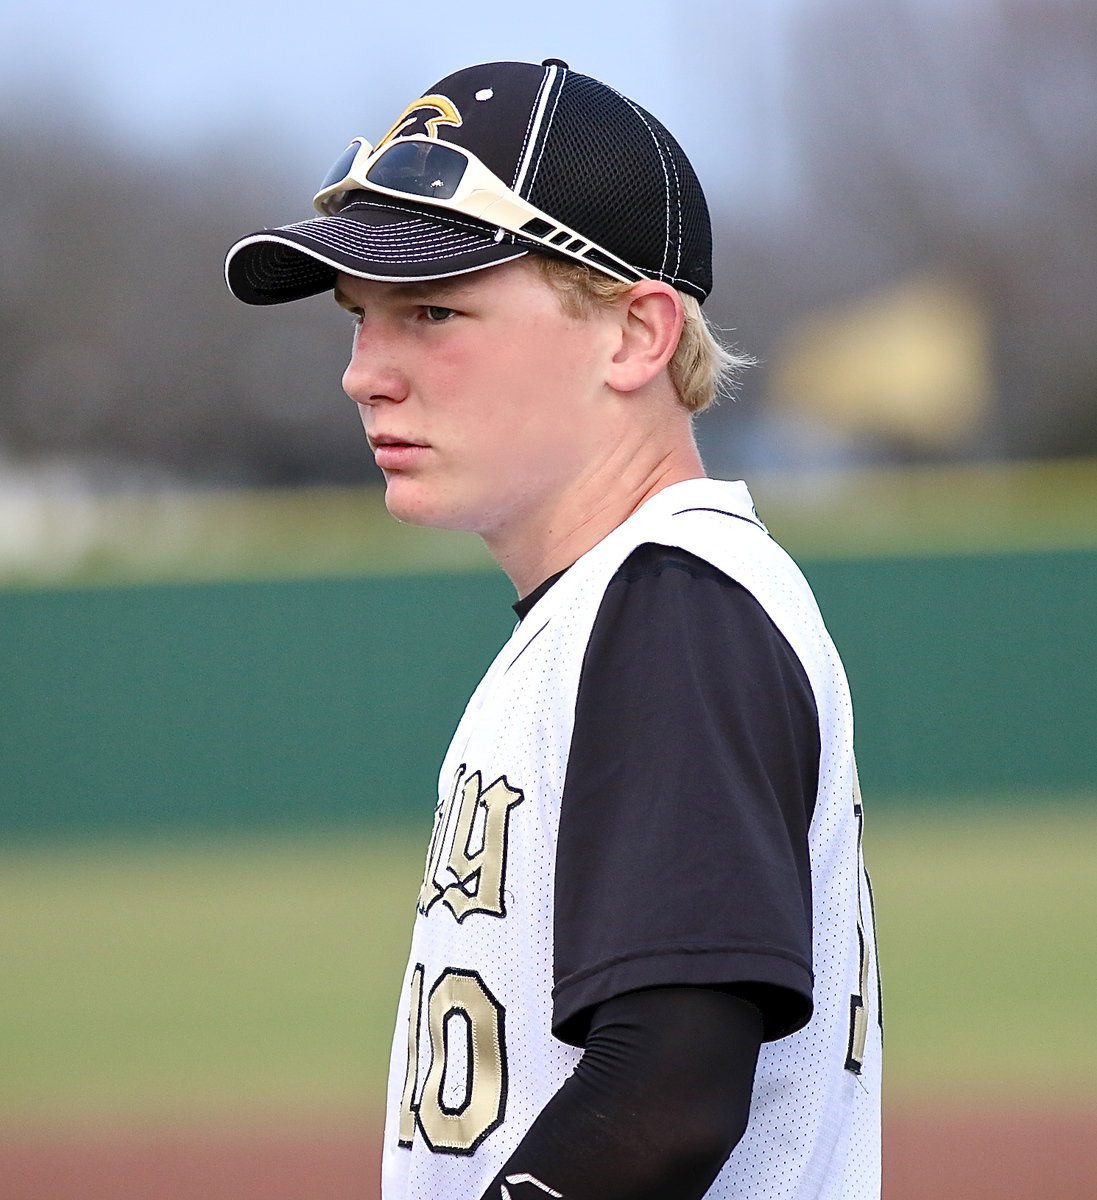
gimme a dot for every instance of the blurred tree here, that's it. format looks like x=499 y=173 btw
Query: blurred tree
x=963 y=134
x=119 y=342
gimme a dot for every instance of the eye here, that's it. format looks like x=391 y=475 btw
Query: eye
x=436 y=313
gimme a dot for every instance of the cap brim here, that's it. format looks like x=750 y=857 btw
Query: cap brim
x=370 y=240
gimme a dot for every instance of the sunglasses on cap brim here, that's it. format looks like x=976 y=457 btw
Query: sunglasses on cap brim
x=430 y=171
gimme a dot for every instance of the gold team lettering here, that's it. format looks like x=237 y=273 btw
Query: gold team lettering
x=466 y=863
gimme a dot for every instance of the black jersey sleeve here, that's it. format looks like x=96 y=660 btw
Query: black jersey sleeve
x=682 y=856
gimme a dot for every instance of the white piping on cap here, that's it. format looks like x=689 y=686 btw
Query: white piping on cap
x=535 y=131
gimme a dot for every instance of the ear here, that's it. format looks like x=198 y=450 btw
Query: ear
x=651 y=317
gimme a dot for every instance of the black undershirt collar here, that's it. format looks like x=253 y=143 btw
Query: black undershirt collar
x=522 y=607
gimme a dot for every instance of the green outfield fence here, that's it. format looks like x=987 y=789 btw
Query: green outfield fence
x=227 y=704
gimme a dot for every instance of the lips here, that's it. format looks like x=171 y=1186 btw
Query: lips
x=394 y=453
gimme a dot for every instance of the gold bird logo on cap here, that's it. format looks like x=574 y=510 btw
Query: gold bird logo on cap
x=424 y=116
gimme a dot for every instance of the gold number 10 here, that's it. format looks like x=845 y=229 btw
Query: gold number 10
x=458 y=1000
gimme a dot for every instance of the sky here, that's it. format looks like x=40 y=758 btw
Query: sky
x=310 y=77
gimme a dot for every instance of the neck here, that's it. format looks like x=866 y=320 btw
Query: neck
x=552 y=539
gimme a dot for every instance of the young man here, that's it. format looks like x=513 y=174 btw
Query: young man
x=643 y=962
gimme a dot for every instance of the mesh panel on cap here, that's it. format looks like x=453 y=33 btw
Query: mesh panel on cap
x=613 y=172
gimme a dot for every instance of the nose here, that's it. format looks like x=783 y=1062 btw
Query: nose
x=372 y=376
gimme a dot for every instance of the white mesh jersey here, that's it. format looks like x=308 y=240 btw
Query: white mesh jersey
x=474 y=1060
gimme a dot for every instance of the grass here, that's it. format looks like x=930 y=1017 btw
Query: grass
x=258 y=974
x=79 y=539
x=238 y=974
x=985 y=920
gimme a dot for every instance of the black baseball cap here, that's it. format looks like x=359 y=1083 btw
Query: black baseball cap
x=570 y=146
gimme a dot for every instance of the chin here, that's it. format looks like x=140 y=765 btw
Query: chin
x=405 y=513
x=410 y=507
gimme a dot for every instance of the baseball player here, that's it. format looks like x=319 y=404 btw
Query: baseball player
x=643 y=960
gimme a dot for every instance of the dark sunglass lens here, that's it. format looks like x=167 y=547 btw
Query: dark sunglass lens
x=419 y=169
x=341 y=166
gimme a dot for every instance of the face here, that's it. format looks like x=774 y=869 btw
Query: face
x=483 y=402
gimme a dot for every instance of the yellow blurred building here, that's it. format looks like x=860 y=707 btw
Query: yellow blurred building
x=908 y=364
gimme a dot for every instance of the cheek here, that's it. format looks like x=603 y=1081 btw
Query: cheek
x=554 y=363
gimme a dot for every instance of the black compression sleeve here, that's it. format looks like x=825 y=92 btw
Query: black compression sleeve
x=658 y=1101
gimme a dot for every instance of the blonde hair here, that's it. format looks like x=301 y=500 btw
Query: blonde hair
x=701 y=369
